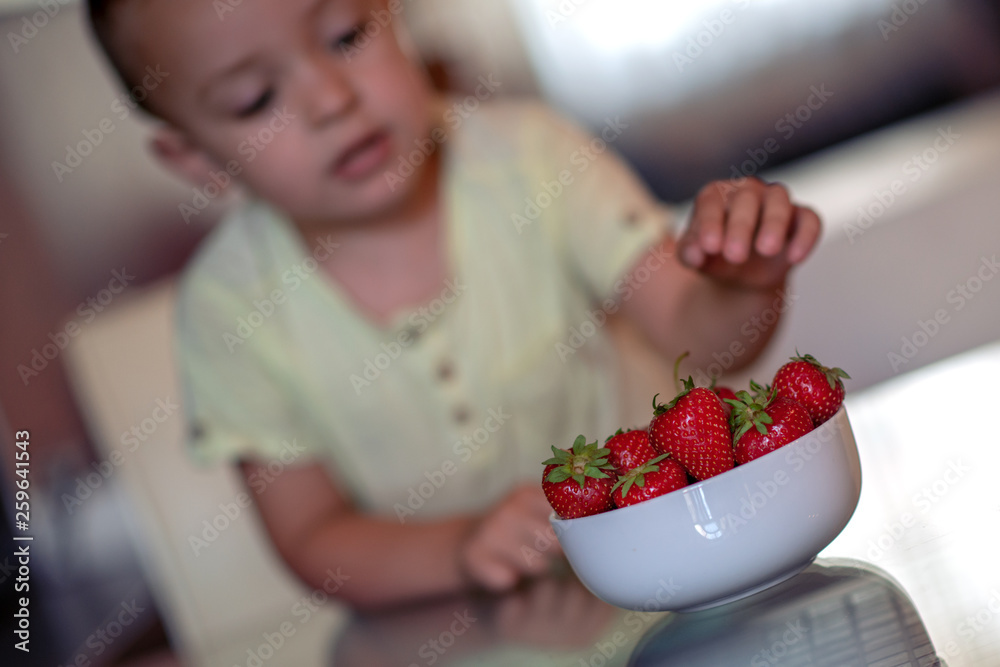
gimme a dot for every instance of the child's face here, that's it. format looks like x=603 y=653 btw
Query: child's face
x=280 y=90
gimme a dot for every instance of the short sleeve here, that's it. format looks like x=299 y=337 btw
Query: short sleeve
x=604 y=217
x=234 y=375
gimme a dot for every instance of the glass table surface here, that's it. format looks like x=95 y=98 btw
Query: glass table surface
x=912 y=580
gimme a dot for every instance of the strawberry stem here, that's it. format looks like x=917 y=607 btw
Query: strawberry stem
x=833 y=375
x=582 y=461
x=677 y=372
x=749 y=412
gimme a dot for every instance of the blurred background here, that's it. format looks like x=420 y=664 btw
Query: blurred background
x=840 y=98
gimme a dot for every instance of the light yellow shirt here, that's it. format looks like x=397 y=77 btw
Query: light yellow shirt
x=444 y=410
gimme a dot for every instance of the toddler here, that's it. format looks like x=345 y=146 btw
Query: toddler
x=410 y=305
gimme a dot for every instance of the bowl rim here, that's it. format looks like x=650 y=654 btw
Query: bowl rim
x=564 y=524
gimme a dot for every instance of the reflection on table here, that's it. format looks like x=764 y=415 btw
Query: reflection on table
x=927 y=524
x=834 y=613
x=927 y=520
x=551 y=621
x=929 y=512
x=844 y=615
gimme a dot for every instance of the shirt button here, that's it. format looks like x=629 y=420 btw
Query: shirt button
x=196 y=431
x=446 y=371
x=461 y=414
x=411 y=332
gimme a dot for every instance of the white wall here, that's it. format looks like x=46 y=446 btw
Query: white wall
x=870 y=285
x=53 y=89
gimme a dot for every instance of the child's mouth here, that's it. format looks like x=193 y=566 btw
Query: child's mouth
x=362 y=157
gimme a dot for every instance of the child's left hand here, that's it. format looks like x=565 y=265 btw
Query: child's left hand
x=748 y=234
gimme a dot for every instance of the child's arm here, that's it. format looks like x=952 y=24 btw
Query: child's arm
x=384 y=562
x=742 y=241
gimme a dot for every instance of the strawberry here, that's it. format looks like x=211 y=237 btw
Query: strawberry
x=693 y=429
x=629 y=449
x=578 y=481
x=723 y=393
x=760 y=393
x=818 y=388
x=655 y=477
x=763 y=425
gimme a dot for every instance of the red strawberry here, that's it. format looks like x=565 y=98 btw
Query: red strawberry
x=654 y=478
x=693 y=429
x=818 y=388
x=762 y=426
x=723 y=393
x=578 y=481
x=629 y=449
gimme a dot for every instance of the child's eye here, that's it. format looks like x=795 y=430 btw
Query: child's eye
x=259 y=104
x=349 y=38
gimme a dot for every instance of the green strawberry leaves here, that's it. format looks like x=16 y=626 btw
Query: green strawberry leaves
x=833 y=375
x=582 y=461
x=686 y=387
x=637 y=475
x=749 y=411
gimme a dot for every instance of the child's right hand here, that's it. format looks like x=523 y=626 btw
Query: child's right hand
x=493 y=555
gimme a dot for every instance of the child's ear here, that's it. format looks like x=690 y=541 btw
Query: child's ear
x=178 y=153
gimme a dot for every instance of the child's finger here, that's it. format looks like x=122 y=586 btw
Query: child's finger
x=495 y=574
x=807 y=231
x=709 y=221
x=777 y=217
x=690 y=251
x=704 y=234
x=741 y=224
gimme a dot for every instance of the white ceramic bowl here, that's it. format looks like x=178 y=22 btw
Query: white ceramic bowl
x=724 y=538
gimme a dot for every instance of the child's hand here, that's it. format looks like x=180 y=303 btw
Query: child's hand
x=747 y=235
x=492 y=555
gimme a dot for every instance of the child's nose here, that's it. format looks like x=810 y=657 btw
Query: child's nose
x=328 y=90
